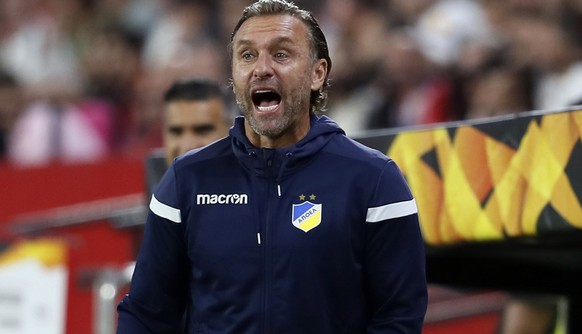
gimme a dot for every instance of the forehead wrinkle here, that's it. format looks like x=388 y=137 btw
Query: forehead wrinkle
x=284 y=28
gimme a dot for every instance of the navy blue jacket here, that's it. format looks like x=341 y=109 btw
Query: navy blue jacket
x=320 y=237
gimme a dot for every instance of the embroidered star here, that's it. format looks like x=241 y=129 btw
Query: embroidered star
x=302 y=197
x=312 y=197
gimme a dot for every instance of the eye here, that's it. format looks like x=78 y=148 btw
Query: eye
x=281 y=55
x=176 y=130
x=247 y=56
x=203 y=129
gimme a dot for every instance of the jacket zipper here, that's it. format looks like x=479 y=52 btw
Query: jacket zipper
x=267 y=263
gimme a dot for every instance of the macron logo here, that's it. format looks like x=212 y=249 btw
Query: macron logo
x=207 y=199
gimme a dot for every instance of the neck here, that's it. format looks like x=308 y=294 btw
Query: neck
x=289 y=137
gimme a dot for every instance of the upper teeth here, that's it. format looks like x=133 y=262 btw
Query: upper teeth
x=263 y=91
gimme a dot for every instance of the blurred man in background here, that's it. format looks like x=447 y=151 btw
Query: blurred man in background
x=196 y=113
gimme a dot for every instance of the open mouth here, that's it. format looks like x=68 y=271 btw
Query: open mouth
x=266 y=99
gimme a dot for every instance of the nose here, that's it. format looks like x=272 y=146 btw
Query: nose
x=263 y=66
x=190 y=142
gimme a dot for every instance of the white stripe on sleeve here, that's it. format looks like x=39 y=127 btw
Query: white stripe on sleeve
x=390 y=211
x=165 y=211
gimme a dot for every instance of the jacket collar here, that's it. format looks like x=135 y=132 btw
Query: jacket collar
x=287 y=159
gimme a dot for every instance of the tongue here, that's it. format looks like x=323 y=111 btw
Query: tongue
x=268 y=103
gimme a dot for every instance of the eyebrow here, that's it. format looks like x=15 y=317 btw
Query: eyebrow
x=195 y=128
x=277 y=40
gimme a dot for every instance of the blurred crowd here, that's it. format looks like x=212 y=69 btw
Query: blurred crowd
x=81 y=80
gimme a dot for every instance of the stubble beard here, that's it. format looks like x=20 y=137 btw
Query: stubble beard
x=275 y=125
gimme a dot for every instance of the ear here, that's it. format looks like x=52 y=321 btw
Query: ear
x=318 y=74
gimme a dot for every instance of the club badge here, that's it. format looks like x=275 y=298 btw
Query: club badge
x=306 y=215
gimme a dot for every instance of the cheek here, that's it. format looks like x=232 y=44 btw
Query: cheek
x=239 y=72
x=172 y=142
x=238 y=83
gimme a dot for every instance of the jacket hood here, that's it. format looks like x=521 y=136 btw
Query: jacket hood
x=285 y=160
